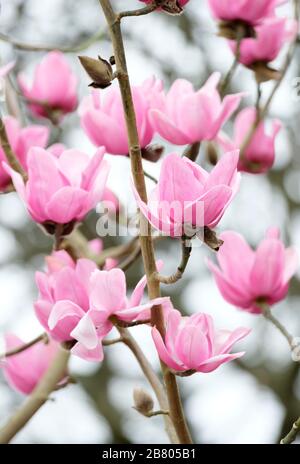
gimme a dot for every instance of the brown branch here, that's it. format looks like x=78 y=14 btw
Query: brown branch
x=266 y=311
x=38 y=397
x=10 y=155
x=139 y=12
x=186 y=249
x=41 y=338
x=152 y=378
x=175 y=406
x=48 y=48
x=292 y=435
x=227 y=79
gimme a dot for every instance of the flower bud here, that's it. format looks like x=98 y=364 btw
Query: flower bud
x=99 y=70
x=152 y=152
x=143 y=402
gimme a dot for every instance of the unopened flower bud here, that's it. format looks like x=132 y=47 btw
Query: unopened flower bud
x=152 y=152
x=143 y=402
x=211 y=239
x=99 y=70
x=171 y=6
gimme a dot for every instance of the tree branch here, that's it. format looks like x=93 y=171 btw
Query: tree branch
x=10 y=155
x=41 y=338
x=186 y=249
x=48 y=48
x=152 y=378
x=292 y=435
x=38 y=397
x=175 y=406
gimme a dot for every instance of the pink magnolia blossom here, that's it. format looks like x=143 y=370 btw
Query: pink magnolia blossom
x=187 y=196
x=271 y=36
x=24 y=370
x=54 y=84
x=76 y=301
x=247 y=278
x=250 y=11
x=186 y=116
x=102 y=116
x=21 y=140
x=259 y=155
x=61 y=190
x=192 y=343
x=109 y=197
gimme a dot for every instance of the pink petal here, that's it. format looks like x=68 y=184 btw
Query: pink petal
x=95 y=355
x=163 y=353
x=66 y=205
x=108 y=290
x=166 y=128
x=85 y=332
x=267 y=272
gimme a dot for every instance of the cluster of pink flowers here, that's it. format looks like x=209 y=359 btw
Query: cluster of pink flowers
x=78 y=303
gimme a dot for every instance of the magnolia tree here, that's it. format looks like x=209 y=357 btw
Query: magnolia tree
x=83 y=304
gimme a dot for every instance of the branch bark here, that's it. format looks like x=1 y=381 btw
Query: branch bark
x=38 y=397
x=292 y=435
x=152 y=378
x=175 y=406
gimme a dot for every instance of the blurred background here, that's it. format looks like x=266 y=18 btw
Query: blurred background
x=254 y=400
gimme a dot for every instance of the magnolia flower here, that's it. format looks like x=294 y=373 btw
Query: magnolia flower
x=102 y=116
x=54 y=85
x=76 y=302
x=271 y=36
x=61 y=190
x=187 y=197
x=24 y=370
x=247 y=278
x=252 y=12
x=21 y=140
x=259 y=154
x=192 y=343
x=185 y=116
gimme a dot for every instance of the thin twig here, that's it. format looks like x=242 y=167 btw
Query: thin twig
x=292 y=435
x=9 y=153
x=146 y=174
x=266 y=311
x=139 y=12
x=227 y=79
x=186 y=249
x=41 y=338
x=48 y=48
x=112 y=342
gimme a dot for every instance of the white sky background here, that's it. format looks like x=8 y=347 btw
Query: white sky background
x=228 y=405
